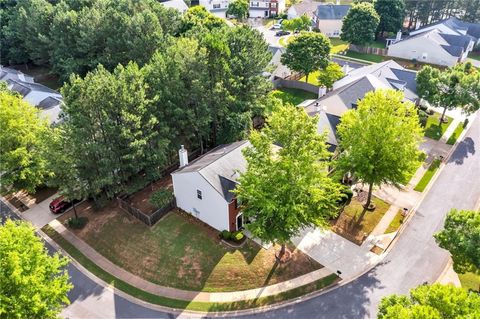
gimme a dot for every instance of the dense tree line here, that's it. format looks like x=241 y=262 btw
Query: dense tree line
x=200 y=84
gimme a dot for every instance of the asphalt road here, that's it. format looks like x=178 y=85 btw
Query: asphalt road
x=414 y=259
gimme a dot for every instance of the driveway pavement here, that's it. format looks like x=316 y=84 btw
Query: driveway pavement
x=39 y=215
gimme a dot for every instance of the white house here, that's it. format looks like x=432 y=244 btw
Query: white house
x=44 y=98
x=178 y=5
x=446 y=43
x=257 y=9
x=204 y=187
x=306 y=7
x=328 y=18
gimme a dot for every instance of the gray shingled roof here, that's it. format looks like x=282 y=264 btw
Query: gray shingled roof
x=456 y=40
x=332 y=11
x=453 y=50
x=220 y=167
x=307 y=7
x=21 y=88
x=472 y=29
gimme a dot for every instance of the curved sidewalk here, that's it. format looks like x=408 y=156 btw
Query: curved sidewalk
x=174 y=293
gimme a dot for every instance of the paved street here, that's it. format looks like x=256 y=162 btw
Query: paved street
x=415 y=258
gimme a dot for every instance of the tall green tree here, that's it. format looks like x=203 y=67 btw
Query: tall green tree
x=431 y=302
x=198 y=17
x=461 y=236
x=302 y=23
x=330 y=75
x=392 y=14
x=286 y=189
x=360 y=24
x=379 y=140
x=238 y=8
x=454 y=87
x=23 y=139
x=33 y=284
x=307 y=53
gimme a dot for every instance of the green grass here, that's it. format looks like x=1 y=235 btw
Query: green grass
x=284 y=41
x=377 y=44
x=182 y=304
x=421 y=159
x=474 y=56
x=365 y=56
x=433 y=128
x=293 y=96
x=338 y=45
x=422 y=184
x=396 y=223
x=453 y=138
x=312 y=78
x=470 y=280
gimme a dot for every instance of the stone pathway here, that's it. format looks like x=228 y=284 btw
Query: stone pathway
x=174 y=293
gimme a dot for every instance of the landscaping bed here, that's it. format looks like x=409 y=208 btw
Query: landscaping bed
x=181 y=252
x=354 y=223
x=433 y=128
x=141 y=198
x=422 y=184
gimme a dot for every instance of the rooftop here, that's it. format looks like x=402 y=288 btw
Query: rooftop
x=329 y=11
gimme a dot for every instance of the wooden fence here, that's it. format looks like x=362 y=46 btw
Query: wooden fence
x=369 y=50
x=149 y=220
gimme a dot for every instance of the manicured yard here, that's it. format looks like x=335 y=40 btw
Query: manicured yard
x=377 y=44
x=433 y=128
x=355 y=224
x=470 y=280
x=181 y=304
x=453 y=138
x=338 y=45
x=312 y=78
x=293 y=96
x=396 y=223
x=365 y=56
x=422 y=184
x=181 y=252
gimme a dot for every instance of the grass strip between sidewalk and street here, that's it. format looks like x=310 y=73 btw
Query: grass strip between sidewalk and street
x=453 y=138
x=183 y=304
x=422 y=184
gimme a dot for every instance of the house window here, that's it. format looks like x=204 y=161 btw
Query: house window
x=255 y=4
x=199 y=194
x=216 y=5
x=273 y=5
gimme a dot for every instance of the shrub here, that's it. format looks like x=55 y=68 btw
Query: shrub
x=238 y=235
x=347 y=195
x=161 y=198
x=423 y=117
x=225 y=234
x=77 y=223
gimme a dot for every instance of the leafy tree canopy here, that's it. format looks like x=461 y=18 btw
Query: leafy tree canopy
x=379 y=140
x=287 y=188
x=431 y=302
x=302 y=23
x=33 y=284
x=238 y=8
x=330 y=75
x=199 y=17
x=308 y=52
x=360 y=24
x=392 y=14
x=23 y=137
x=460 y=236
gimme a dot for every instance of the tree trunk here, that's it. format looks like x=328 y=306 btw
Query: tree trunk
x=306 y=77
x=369 y=197
x=75 y=211
x=443 y=114
x=282 y=250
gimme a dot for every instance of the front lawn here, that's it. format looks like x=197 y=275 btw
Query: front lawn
x=181 y=252
x=433 y=128
x=422 y=184
x=355 y=224
x=293 y=96
x=365 y=56
x=474 y=56
x=395 y=223
x=453 y=138
x=470 y=280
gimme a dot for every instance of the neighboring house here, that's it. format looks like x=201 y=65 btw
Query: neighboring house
x=204 y=187
x=175 y=4
x=445 y=43
x=48 y=101
x=307 y=7
x=257 y=9
x=349 y=90
x=328 y=18
x=275 y=67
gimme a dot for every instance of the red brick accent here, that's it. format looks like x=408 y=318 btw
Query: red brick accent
x=232 y=215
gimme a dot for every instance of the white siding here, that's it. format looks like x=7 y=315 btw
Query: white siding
x=211 y=209
x=291 y=13
x=417 y=48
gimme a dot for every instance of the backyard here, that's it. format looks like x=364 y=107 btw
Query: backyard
x=293 y=96
x=355 y=223
x=181 y=252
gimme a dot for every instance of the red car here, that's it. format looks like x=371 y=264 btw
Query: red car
x=60 y=205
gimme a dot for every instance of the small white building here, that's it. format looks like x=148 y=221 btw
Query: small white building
x=48 y=101
x=328 y=18
x=178 y=5
x=204 y=187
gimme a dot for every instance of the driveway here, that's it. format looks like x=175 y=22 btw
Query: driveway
x=268 y=35
x=39 y=215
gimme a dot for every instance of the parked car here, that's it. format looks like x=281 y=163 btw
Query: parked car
x=282 y=33
x=278 y=25
x=60 y=205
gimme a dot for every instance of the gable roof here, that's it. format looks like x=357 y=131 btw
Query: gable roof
x=220 y=167
x=458 y=26
x=306 y=7
x=331 y=11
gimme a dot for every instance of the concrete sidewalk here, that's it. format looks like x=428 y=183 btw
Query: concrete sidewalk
x=174 y=293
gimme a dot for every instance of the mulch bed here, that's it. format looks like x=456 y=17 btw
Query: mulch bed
x=141 y=199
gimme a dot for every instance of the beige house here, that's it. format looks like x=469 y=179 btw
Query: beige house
x=328 y=18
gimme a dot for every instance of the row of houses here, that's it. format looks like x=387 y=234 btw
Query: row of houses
x=204 y=187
